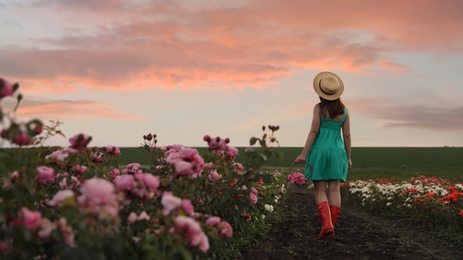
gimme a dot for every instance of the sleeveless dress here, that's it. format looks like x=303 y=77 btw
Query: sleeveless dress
x=327 y=158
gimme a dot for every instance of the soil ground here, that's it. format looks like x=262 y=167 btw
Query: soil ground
x=359 y=235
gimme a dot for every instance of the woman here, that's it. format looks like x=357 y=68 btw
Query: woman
x=327 y=154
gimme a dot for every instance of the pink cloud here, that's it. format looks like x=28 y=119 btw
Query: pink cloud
x=171 y=45
x=394 y=114
x=63 y=109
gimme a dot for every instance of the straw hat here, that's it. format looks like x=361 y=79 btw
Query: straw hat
x=328 y=85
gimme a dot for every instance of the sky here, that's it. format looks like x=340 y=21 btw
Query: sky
x=118 y=69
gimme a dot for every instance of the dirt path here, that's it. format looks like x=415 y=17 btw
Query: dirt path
x=359 y=235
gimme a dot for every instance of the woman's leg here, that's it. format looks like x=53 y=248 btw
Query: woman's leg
x=334 y=198
x=323 y=209
x=320 y=191
x=334 y=194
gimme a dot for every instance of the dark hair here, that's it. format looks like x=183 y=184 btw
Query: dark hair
x=334 y=107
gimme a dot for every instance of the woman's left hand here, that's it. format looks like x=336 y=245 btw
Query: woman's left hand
x=300 y=159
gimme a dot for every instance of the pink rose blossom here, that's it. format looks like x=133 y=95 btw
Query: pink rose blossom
x=253 y=190
x=183 y=168
x=115 y=172
x=225 y=229
x=214 y=176
x=212 y=221
x=60 y=196
x=28 y=218
x=45 y=174
x=192 y=232
x=113 y=150
x=207 y=138
x=133 y=167
x=66 y=232
x=99 y=199
x=187 y=206
x=143 y=216
x=232 y=152
x=201 y=241
x=99 y=191
x=6 y=88
x=80 y=140
x=170 y=202
x=252 y=198
x=151 y=181
x=80 y=169
x=97 y=157
x=186 y=161
x=75 y=183
x=124 y=182
x=44 y=229
x=132 y=218
x=59 y=155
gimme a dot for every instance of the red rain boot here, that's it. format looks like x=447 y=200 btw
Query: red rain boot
x=334 y=214
x=325 y=216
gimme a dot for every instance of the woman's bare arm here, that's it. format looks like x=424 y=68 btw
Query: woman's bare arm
x=312 y=134
x=347 y=139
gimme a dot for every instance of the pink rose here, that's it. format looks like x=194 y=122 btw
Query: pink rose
x=212 y=221
x=214 y=176
x=201 y=241
x=80 y=140
x=98 y=190
x=98 y=198
x=80 y=169
x=44 y=229
x=143 y=216
x=132 y=218
x=133 y=167
x=124 y=182
x=232 y=152
x=183 y=168
x=187 y=206
x=170 y=202
x=225 y=229
x=60 y=196
x=253 y=190
x=115 y=172
x=66 y=231
x=59 y=155
x=252 y=198
x=192 y=232
x=6 y=88
x=151 y=181
x=28 y=218
x=45 y=174
x=113 y=150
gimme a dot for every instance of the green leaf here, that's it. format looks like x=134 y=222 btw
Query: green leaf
x=252 y=141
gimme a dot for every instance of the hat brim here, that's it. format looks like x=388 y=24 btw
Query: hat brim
x=316 y=86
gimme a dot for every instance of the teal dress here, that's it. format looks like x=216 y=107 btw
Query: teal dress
x=327 y=158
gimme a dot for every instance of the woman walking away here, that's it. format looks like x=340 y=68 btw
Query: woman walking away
x=326 y=153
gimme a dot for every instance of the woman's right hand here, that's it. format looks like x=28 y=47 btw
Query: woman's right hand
x=300 y=159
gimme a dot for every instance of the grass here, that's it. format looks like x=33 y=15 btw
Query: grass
x=368 y=162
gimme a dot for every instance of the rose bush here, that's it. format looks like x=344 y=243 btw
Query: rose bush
x=431 y=200
x=77 y=201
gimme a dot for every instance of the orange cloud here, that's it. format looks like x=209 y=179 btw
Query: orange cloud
x=173 y=45
x=63 y=109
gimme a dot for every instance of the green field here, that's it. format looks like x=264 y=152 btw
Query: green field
x=368 y=163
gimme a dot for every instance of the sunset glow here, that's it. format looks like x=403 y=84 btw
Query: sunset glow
x=119 y=69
